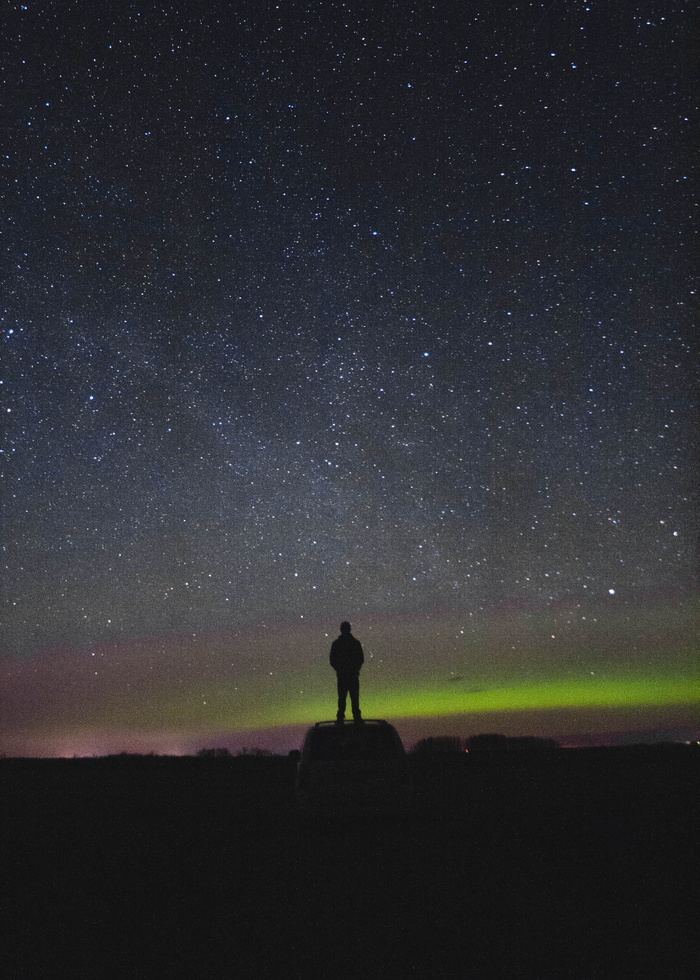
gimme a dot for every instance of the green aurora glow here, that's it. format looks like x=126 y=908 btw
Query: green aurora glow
x=220 y=714
x=535 y=672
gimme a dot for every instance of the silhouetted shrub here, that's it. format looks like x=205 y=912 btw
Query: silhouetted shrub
x=493 y=742
x=214 y=754
x=487 y=743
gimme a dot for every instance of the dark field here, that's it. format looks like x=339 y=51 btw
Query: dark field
x=571 y=864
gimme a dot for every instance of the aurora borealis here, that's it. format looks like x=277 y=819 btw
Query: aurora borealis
x=183 y=692
x=325 y=311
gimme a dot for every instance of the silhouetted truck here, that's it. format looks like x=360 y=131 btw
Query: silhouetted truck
x=352 y=766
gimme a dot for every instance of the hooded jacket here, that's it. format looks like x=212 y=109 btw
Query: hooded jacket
x=346 y=654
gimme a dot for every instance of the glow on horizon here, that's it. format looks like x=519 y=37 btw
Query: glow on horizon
x=185 y=713
x=173 y=695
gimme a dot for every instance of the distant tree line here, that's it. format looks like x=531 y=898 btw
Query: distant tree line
x=492 y=742
x=435 y=745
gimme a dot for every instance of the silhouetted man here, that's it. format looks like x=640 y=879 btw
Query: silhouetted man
x=346 y=659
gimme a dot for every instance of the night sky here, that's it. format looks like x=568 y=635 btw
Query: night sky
x=368 y=311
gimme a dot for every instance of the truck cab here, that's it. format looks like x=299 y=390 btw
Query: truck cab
x=350 y=766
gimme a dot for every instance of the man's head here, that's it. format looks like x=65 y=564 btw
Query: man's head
x=345 y=627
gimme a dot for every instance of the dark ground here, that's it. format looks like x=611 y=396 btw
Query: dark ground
x=573 y=864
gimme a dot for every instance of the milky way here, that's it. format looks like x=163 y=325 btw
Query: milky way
x=317 y=311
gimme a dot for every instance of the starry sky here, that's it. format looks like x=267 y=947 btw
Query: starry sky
x=327 y=310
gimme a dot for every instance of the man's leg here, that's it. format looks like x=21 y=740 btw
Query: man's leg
x=354 y=691
x=342 y=696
